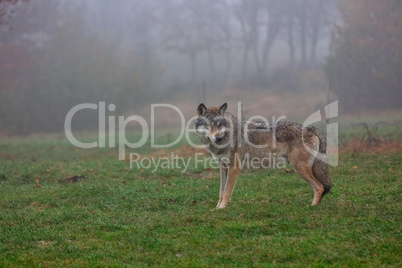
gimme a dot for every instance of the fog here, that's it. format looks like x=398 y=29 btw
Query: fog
x=276 y=57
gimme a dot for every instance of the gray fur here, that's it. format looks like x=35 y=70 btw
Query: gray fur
x=226 y=138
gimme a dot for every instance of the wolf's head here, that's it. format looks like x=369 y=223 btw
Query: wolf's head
x=212 y=126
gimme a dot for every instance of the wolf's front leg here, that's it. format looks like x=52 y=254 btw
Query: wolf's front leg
x=224 y=176
x=229 y=186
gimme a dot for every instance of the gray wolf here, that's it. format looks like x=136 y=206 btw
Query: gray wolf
x=232 y=143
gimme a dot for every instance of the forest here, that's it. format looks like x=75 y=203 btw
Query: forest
x=57 y=54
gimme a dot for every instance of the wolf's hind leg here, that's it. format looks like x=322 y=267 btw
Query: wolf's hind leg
x=318 y=188
x=304 y=170
x=321 y=173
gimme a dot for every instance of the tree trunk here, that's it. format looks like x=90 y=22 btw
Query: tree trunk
x=302 y=22
x=290 y=41
x=193 y=75
x=228 y=66
x=258 y=65
x=211 y=64
x=315 y=28
x=273 y=27
x=244 y=68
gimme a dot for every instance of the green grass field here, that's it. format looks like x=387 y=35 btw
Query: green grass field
x=117 y=216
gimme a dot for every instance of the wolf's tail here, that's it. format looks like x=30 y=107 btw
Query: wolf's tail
x=320 y=166
x=321 y=172
x=323 y=143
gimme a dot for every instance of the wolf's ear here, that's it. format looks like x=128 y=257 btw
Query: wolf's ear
x=222 y=108
x=201 y=110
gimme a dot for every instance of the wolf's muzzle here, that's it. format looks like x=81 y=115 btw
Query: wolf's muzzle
x=216 y=140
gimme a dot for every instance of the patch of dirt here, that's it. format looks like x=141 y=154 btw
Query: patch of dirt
x=201 y=174
x=72 y=179
x=39 y=206
x=44 y=243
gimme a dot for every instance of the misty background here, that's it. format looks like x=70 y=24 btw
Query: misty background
x=287 y=57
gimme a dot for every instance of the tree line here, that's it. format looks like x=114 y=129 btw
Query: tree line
x=55 y=54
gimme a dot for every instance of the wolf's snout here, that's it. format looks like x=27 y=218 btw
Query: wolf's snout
x=215 y=139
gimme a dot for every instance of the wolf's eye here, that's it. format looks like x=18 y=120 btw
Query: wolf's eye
x=201 y=128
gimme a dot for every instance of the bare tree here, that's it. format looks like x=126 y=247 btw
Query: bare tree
x=321 y=15
x=301 y=7
x=227 y=32
x=7 y=8
x=247 y=15
x=306 y=23
x=288 y=31
x=273 y=24
x=179 y=34
x=260 y=23
x=193 y=28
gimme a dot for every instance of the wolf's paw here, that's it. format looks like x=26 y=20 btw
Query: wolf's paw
x=221 y=206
